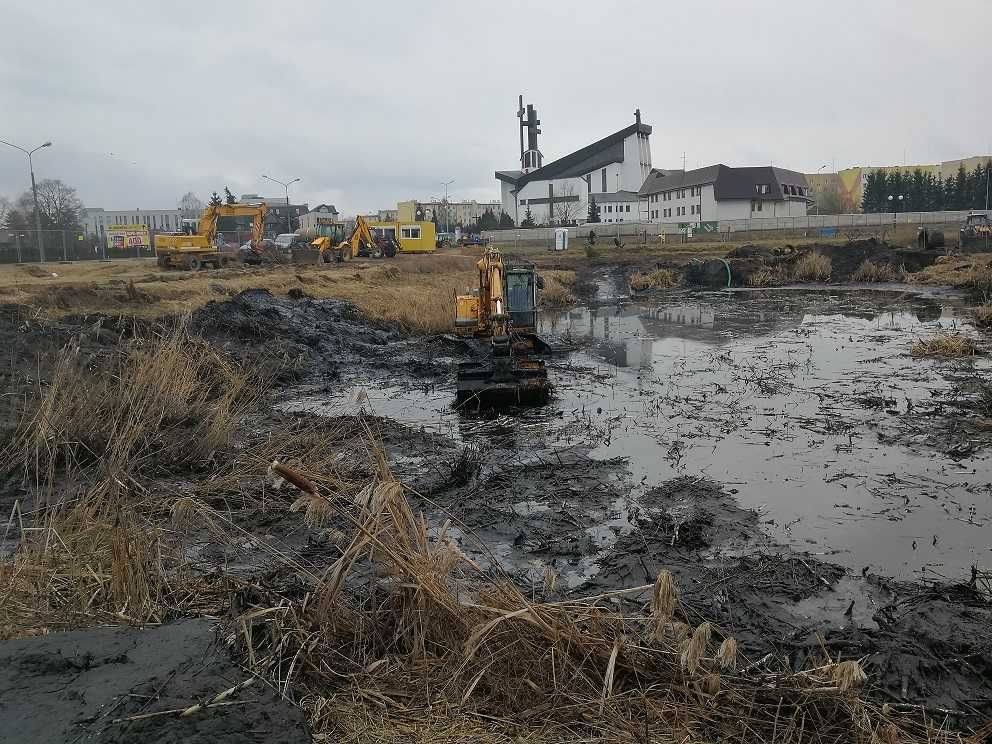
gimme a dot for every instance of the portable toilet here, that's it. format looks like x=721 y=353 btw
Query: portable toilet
x=561 y=238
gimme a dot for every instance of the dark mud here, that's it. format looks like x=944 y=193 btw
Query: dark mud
x=302 y=338
x=746 y=261
x=78 y=686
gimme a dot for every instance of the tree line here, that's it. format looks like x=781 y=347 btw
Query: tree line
x=926 y=192
x=59 y=208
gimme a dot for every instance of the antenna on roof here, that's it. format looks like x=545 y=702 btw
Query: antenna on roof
x=683 y=162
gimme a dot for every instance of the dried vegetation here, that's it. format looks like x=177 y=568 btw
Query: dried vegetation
x=812 y=267
x=657 y=279
x=946 y=345
x=869 y=271
x=557 y=290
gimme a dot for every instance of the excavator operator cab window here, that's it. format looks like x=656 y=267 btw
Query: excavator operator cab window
x=521 y=298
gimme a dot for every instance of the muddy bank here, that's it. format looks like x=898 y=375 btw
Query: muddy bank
x=757 y=265
x=108 y=684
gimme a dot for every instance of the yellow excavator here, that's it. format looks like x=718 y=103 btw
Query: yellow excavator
x=362 y=242
x=191 y=250
x=504 y=316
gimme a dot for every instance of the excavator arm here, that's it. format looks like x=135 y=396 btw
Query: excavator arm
x=257 y=212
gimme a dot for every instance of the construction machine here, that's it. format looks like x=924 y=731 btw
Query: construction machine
x=363 y=242
x=503 y=315
x=976 y=232
x=199 y=245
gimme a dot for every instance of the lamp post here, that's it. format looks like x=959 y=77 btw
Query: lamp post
x=285 y=185
x=447 y=207
x=894 y=205
x=818 y=171
x=34 y=192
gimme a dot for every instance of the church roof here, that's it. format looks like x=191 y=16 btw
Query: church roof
x=581 y=162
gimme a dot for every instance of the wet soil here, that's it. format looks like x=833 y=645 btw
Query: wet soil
x=101 y=685
x=813 y=488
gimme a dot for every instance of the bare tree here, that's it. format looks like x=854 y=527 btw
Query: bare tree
x=58 y=203
x=567 y=205
x=190 y=206
x=5 y=209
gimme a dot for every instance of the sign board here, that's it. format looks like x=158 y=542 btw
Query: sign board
x=122 y=237
x=326 y=221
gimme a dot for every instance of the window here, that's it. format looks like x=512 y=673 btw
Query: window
x=411 y=232
x=609 y=208
x=627 y=209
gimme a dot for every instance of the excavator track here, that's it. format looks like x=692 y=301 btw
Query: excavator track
x=483 y=384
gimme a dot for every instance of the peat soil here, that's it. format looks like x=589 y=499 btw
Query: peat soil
x=745 y=261
x=779 y=452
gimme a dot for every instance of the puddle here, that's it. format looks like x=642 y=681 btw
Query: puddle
x=804 y=404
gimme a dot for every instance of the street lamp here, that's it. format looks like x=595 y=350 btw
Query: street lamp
x=285 y=185
x=817 y=205
x=894 y=205
x=447 y=222
x=34 y=191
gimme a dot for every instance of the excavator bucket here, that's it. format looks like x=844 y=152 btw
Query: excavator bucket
x=502 y=382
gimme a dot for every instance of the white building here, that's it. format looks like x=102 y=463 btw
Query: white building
x=96 y=220
x=719 y=192
x=620 y=206
x=462 y=213
x=321 y=214
x=558 y=192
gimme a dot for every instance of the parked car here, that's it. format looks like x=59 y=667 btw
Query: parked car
x=284 y=240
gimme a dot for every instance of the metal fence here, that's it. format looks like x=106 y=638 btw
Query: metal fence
x=22 y=246
x=816 y=224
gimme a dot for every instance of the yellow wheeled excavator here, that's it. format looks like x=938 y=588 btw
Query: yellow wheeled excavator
x=362 y=242
x=503 y=316
x=195 y=249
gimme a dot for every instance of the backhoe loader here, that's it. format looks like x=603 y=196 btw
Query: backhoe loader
x=193 y=250
x=361 y=242
x=504 y=316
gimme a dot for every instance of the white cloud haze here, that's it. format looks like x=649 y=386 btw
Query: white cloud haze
x=370 y=103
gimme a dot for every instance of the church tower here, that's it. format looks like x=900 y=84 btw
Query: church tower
x=530 y=158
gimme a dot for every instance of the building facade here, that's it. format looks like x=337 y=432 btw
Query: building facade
x=321 y=214
x=704 y=196
x=97 y=220
x=620 y=206
x=558 y=192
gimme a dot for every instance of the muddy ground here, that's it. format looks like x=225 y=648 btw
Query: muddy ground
x=567 y=501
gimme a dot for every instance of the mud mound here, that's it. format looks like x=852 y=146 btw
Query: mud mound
x=757 y=265
x=74 y=686
x=315 y=336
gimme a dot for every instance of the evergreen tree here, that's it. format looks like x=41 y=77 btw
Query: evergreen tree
x=528 y=220
x=229 y=197
x=487 y=221
x=593 y=214
x=873 y=199
x=215 y=200
x=959 y=192
x=975 y=189
x=505 y=220
x=917 y=191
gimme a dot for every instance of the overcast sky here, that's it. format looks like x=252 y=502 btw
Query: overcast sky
x=374 y=102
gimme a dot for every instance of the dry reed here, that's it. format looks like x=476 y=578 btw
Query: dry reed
x=869 y=271
x=812 y=267
x=657 y=279
x=945 y=345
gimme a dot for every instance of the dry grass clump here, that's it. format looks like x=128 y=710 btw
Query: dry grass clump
x=869 y=271
x=945 y=345
x=170 y=400
x=983 y=316
x=657 y=279
x=812 y=267
x=769 y=276
x=556 y=291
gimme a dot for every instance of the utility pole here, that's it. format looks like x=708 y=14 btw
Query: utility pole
x=34 y=192
x=285 y=185
x=447 y=206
